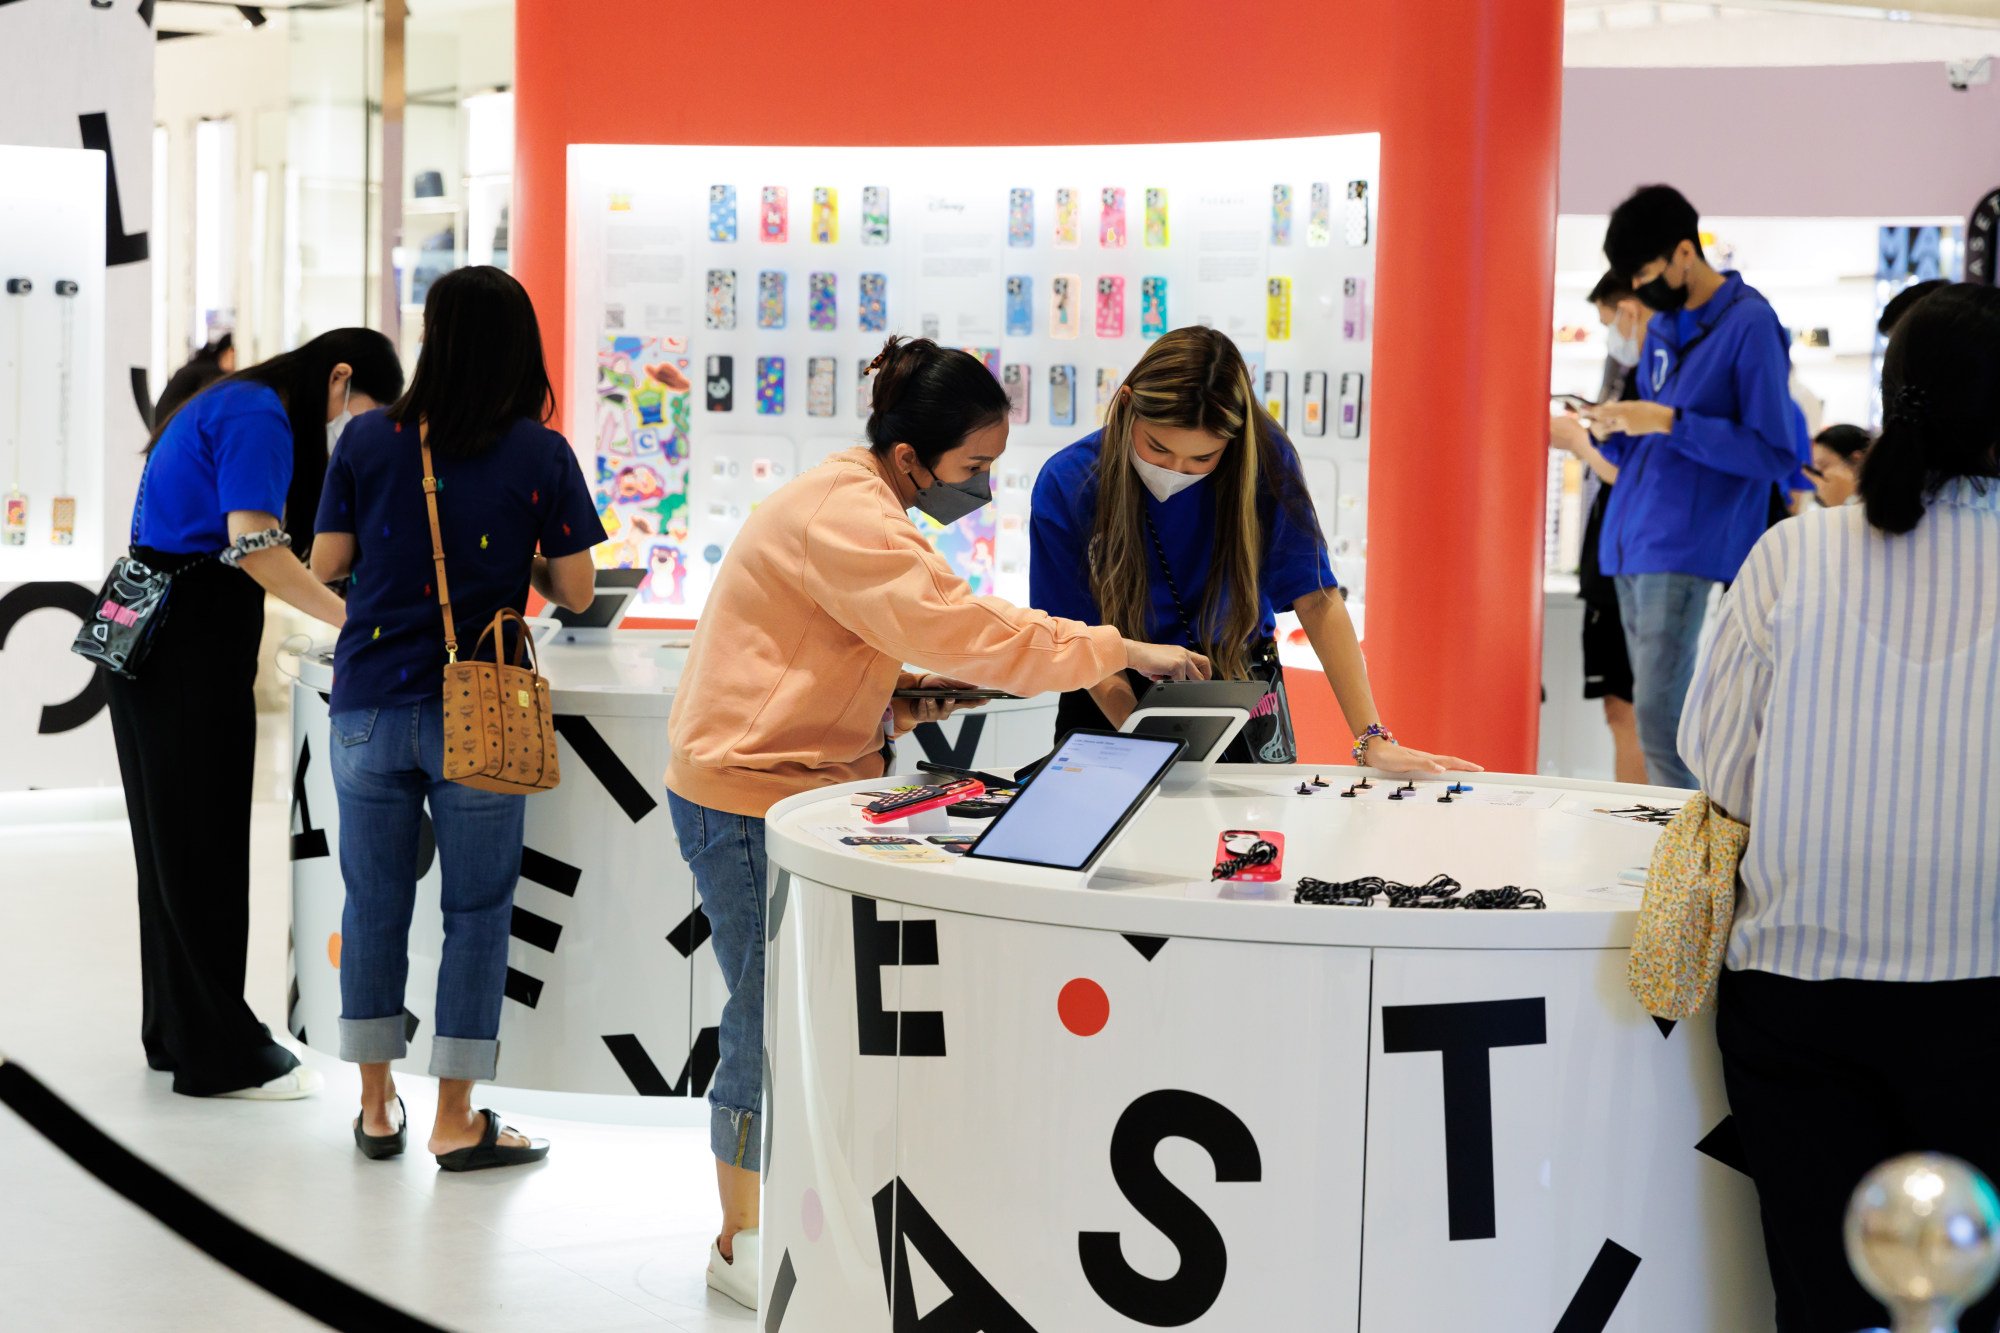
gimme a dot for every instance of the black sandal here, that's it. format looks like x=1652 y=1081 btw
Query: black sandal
x=375 y=1147
x=488 y=1152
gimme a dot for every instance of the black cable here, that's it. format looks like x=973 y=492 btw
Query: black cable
x=1262 y=854
x=1440 y=891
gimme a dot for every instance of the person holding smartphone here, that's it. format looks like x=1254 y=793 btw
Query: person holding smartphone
x=790 y=685
x=1186 y=518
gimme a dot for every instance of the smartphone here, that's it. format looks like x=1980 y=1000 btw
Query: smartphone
x=1111 y=219
x=1020 y=217
x=721 y=383
x=719 y=310
x=770 y=385
x=1580 y=406
x=722 y=213
x=1014 y=379
x=1277 y=397
x=864 y=389
x=1354 y=309
x=1065 y=306
x=1281 y=215
x=826 y=215
x=1111 y=307
x=878 y=840
x=1278 y=310
x=1062 y=395
x=774 y=214
x=1156 y=218
x=819 y=386
x=1020 y=306
x=1237 y=842
x=969 y=693
x=1152 y=307
x=821 y=315
x=901 y=805
x=1357 y=212
x=771 y=299
x=1312 y=404
x=873 y=308
x=874 y=215
x=1350 y=406
x=1107 y=385
x=1065 y=237
x=1319 y=214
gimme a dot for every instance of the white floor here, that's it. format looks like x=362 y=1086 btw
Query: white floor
x=610 y=1234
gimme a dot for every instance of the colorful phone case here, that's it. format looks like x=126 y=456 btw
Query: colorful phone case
x=1065 y=306
x=1020 y=217
x=62 y=520
x=986 y=356
x=719 y=310
x=820 y=371
x=1278 y=310
x=770 y=385
x=1156 y=218
x=1278 y=397
x=1111 y=307
x=1020 y=306
x=1233 y=840
x=874 y=215
x=1312 y=404
x=1107 y=385
x=14 y=520
x=771 y=299
x=721 y=385
x=864 y=389
x=1062 y=395
x=722 y=212
x=1066 y=235
x=1350 y=405
x=774 y=214
x=1357 y=212
x=1319 y=218
x=1354 y=309
x=1014 y=379
x=1281 y=215
x=1111 y=219
x=826 y=215
x=873 y=306
x=822 y=313
x=1152 y=307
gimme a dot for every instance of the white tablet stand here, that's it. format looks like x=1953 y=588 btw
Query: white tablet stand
x=1193 y=769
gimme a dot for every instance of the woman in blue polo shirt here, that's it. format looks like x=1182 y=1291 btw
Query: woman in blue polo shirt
x=1185 y=520
x=226 y=503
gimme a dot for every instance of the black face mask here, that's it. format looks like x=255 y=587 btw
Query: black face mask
x=1659 y=296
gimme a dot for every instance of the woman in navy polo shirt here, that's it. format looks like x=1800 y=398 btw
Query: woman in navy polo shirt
x=227 y=500
x=1185 y=520
x=506 y=485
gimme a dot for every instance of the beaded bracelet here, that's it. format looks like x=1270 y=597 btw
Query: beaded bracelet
x=1374 y=731
x=252 y=542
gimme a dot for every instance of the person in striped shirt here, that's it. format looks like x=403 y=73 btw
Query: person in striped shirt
x=1849 y=712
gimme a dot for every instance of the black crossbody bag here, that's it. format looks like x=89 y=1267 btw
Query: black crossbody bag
x=131 y=607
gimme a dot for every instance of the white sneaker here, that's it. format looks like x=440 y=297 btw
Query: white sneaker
x=737 y=1280
x=288 y=1087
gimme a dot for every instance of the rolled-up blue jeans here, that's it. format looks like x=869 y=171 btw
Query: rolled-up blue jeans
x=387 y=762
x=726 y=854
x=1662 y=615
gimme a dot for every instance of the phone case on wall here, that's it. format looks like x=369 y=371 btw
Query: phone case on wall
x=1065 y=306
x=771 y=299
x=819 y=386
x=14 y=518
x=722 y=212
x=721 y=385
x=1278 y=397
x=1111 y=219
x=864 y=389
x=774 y=214
x=1066 y=231
x=1020 y=216
x=873 y=308
x=1354 y=309
x=719 y=309
x=1014 y=379
x=1350 y=406
x=874 y=215
x=826 y=215
x=821 y=313
x=1156 y=218
x=1020 y=306
x=1152 y=307
x=1107 y=385
x=1319 y=218
x=1278 y=310
x=1357 y=212
x=770 y=385
x=1062 y=395
x=1111 y=307
x=1281 y=215
x=1312 y=404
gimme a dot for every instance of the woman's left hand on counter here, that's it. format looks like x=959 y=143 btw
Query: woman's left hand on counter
x=1386 y=757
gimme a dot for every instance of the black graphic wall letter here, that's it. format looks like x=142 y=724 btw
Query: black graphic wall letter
x=941 y=751
x=309 y=842
x=94 y=128
x=1148 y=1122
x=1463 y=1034
x=80 y=602
x=973 y=1306
x=879 y=944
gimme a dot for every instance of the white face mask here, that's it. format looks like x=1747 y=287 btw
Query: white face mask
x=339 y=423
x=1164 y=483
x=1623 y=347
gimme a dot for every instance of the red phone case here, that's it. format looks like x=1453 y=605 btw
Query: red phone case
x=1265 y=874
x=965 y=789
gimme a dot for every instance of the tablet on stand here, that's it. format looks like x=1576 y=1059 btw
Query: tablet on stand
x=1070 y=814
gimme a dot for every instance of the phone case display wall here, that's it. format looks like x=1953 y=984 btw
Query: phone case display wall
x=727 y=302
x=51 y=364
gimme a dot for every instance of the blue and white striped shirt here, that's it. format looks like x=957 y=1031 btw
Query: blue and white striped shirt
x=1849 y=711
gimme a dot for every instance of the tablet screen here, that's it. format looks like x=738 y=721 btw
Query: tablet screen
x=1069 y=813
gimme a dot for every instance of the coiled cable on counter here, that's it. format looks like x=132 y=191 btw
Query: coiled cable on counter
x=1440 y=891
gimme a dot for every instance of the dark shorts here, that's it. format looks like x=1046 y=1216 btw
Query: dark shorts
x=1607 y=671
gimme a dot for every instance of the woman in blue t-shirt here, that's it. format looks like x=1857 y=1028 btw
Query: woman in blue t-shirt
x=1186 y=520
x=226 y=502
x=506 y=485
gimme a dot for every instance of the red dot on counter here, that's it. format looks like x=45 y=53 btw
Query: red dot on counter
x=1083 y=1007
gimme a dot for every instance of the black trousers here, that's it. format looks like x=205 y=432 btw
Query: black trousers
x=1827 y=1080
x=187 y=738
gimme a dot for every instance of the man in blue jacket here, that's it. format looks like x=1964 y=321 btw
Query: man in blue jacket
x=1698 y=454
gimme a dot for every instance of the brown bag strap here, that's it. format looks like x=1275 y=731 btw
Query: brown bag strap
x=524 y=642
x=437 y=542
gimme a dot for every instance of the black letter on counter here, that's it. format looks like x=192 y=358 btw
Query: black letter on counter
x=876 y=946
x=1463 y=1034
x=973 y=1306
x=1148 y=1122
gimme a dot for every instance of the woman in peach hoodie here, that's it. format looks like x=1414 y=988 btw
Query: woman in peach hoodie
x=824 y=596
